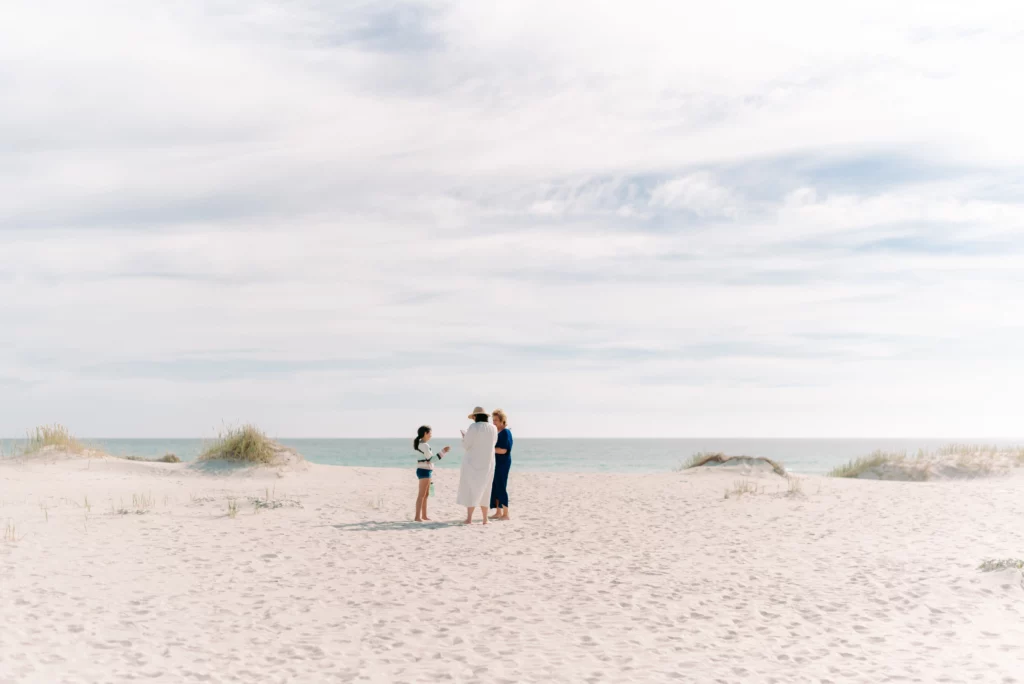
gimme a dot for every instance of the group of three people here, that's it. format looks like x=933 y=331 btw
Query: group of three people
x=483 y=479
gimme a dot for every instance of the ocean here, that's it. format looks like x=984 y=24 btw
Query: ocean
x=809 y=456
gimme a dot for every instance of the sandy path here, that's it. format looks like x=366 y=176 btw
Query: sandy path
x=598 y=578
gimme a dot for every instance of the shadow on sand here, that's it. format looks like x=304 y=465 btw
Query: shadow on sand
x=394 y=525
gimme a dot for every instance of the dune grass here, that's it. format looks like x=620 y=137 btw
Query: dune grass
x=699 y=459
x=702 y=458
x=992 y=565
x=972 y=454
x=141 y=504
x=244 y=444
x=55 y=436
x=865 y=463
x=166 y=458
x=741 y=487
x=976 y=459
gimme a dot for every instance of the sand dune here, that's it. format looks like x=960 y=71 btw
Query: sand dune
x=598 y=578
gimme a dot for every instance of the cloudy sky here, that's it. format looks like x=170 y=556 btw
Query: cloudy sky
x=609 y=218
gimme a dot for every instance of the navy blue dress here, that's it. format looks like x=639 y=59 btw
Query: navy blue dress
x=502 y=463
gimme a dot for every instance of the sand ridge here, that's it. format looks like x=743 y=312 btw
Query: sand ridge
x=597 y=578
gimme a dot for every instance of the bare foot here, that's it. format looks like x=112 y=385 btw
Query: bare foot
x=417 y=520
x=426 y=519
x=467 y=521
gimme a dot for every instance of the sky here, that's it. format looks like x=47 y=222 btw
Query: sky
x=643 y=219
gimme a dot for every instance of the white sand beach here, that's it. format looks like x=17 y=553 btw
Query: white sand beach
x=597 y=578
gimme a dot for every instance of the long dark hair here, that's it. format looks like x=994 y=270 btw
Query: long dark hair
x=481 y=417
x=424 y=429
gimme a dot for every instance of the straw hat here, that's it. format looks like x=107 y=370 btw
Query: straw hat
x=475 y=411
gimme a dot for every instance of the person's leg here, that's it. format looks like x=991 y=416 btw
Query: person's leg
x=483 y=509
x=493 y=503
x=421 y=496
x=469 y=516
x=504 y=490
x=504 y=497
x=426 y=495
x=501 y=489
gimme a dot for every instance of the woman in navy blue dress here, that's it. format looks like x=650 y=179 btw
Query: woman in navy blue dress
x=502 y=463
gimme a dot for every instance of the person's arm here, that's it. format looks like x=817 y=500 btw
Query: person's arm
x=501 y=448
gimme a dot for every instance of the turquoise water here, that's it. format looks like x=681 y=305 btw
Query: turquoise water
x=811 y=456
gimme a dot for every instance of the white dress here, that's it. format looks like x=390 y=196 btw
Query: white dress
x=477 y=472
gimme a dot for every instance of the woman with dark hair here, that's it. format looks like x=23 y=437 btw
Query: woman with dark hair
x=424 y=469
x=502 y=464
x=477 y=472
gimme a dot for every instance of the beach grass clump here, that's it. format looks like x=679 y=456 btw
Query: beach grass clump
x=52 y=436
x=702 y=458
x=861 y=465
x=947 y=462
x=971 y=454
x=166 y=458
x=994 y=565
x=244 y=444
x=699 y=459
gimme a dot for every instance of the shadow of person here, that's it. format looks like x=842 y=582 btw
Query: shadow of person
x=394 y=525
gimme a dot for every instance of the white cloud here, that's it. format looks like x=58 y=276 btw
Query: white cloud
x=697 y=193
x=772 y=220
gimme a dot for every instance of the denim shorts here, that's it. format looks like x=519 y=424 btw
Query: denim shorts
x=424 y=473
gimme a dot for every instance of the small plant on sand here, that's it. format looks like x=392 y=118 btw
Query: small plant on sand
x=11 y=533
x=741 y=487
x=141 y=504
x=992 y=565
x=796 y=486
x=270 y=501
x=56 y=436
x=232 y=507
x=860 y=465
x=241 y=445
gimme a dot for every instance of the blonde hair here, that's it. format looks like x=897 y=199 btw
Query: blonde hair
x=498 y=413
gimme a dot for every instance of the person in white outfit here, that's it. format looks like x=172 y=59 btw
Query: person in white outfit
x=477 y=472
